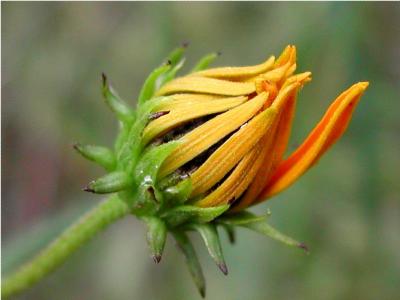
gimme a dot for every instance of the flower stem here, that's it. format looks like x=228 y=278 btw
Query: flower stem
x=62 y=247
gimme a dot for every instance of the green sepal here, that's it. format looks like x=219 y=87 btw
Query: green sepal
x=230 y=231
x=151 y=161
x=179 y=193
x=268 y=230
x=171 y=73
x=110 y=183
x=204 y=62
x=162 y=74
x=98 y=154
x=132 y=147
x=241 y=218
x=156 y=236
x=149 y=198
x=117 y=105
x=175 y=56
x=188 y=213
x=192 y=260
x=149 y=85
x=210 y=237
x=122 y=136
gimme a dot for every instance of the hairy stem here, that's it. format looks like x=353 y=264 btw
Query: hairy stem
x=62 y=247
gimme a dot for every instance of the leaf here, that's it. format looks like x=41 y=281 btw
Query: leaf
x=188 y=213
x=98 y=154
x=156 y=236
x=191 y=261
x=110 y=183
x=211 y=239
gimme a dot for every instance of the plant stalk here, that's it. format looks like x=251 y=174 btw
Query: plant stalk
x=104 y=214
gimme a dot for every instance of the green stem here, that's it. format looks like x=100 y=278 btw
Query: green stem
x=60 y=249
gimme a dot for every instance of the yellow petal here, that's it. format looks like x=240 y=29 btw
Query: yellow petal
x=274 y=146
x=209 y=133
x=258 y=182
x=194 y=84
x=287 y=116
x=231 y=152
x=186 y=111
x=287 y=55
x=284 y=67
x=236 y=183
x=301 y=78
x=329 y=129
x=233 y=73
x=275 y=75
x=185 y=98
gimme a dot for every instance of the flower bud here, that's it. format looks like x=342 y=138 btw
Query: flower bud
x=201 y=148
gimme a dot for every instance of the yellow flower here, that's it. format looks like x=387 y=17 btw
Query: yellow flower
x=234 y=123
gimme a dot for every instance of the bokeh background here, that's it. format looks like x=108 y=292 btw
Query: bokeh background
x=347 y=209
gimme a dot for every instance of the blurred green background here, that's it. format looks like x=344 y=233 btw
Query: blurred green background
x=347 y=209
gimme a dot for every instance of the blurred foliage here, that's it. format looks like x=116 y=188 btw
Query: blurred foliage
x=346 y=209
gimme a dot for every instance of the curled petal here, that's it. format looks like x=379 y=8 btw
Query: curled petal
x=288 y=55
x=182 y=113
x=236 y=183
x=231 y=152
x=185 y=99
x=195 y=84
x=237 y=72
x=275 y=142
x=206 y=135
x=325 y=134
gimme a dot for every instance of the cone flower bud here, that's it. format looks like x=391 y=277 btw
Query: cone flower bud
x=198 y=150
x=201 y=148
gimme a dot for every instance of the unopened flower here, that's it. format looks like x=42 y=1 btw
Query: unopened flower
x=203 y=147
x=197 y=151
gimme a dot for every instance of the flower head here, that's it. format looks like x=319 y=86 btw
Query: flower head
x=233 y=125
x=201 y=148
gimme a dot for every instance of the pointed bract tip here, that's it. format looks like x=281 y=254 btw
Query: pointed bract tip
x=223 y=268
x=104 y=79
x=157 y=258
x=202 y=292
x=304 y=247
x=76 y=146
x=88 y=189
